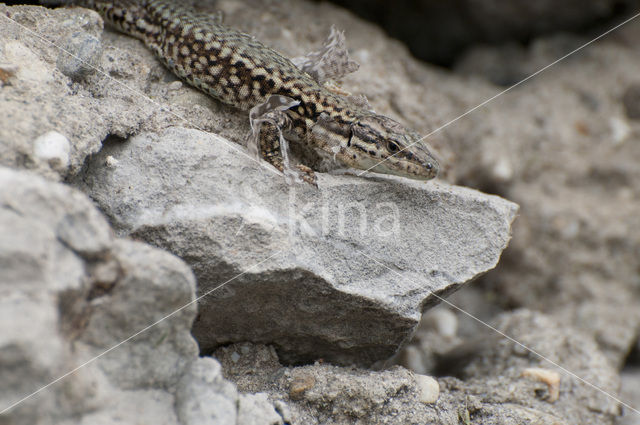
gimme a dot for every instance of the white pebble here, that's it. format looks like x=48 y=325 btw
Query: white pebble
x=111 y=162
x=428 y=387
x=503 y=170
x=620 y=130
x=54 y=148
x=442 y=320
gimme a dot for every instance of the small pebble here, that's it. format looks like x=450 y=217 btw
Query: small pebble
x=299 y=384
x=620 y=130
x=582 y=127
x=111 y=162
x=81 y=56
x=503 y=170
x=7 y=72
x=54 y=148
x=549 y=377
x=441 y=320
x=428 y=387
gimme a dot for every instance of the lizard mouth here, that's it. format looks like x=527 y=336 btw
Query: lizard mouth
x=425 y=171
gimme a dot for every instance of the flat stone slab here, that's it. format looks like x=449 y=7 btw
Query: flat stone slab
x=340 y=272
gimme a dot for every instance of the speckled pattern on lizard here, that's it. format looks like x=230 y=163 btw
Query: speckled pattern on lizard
x=288 y=101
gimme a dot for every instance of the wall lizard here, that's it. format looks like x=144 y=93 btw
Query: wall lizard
x=284 y=99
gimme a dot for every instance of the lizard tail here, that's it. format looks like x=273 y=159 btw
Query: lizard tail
x=128 y=16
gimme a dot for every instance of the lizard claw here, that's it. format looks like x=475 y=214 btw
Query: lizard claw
x=307 y=175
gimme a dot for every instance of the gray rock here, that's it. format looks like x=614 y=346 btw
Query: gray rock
x=71 y=291
x=203 y=397
x=319 y=277
x=255 y=409
x=39 y=97
x=435 y=336
x=81 y=55
x=503 y=383
x=323 y=393
x=151 y=307
x=568 y=156
x=496 y=369
x=102 y=90
x=509 y=63
x=139 y=406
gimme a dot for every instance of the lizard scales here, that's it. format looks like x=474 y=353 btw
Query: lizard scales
x=236 y=69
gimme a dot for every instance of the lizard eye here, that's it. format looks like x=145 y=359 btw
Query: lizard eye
x=392 y=147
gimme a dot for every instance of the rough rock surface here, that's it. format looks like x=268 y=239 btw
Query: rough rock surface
x=568 y=155
x=319 y=278
x=573 y=352
x=122 y=96
x=570 y=160
x=493 y=389
x=564 y=146
x=462 y=233
x=71 y=291
x=204 y=397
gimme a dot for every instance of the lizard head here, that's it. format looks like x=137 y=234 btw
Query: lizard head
x=382 y=145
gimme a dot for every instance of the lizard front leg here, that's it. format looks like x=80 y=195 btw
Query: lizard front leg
x=269 y=144
x=274 y=149
x=267 y=121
